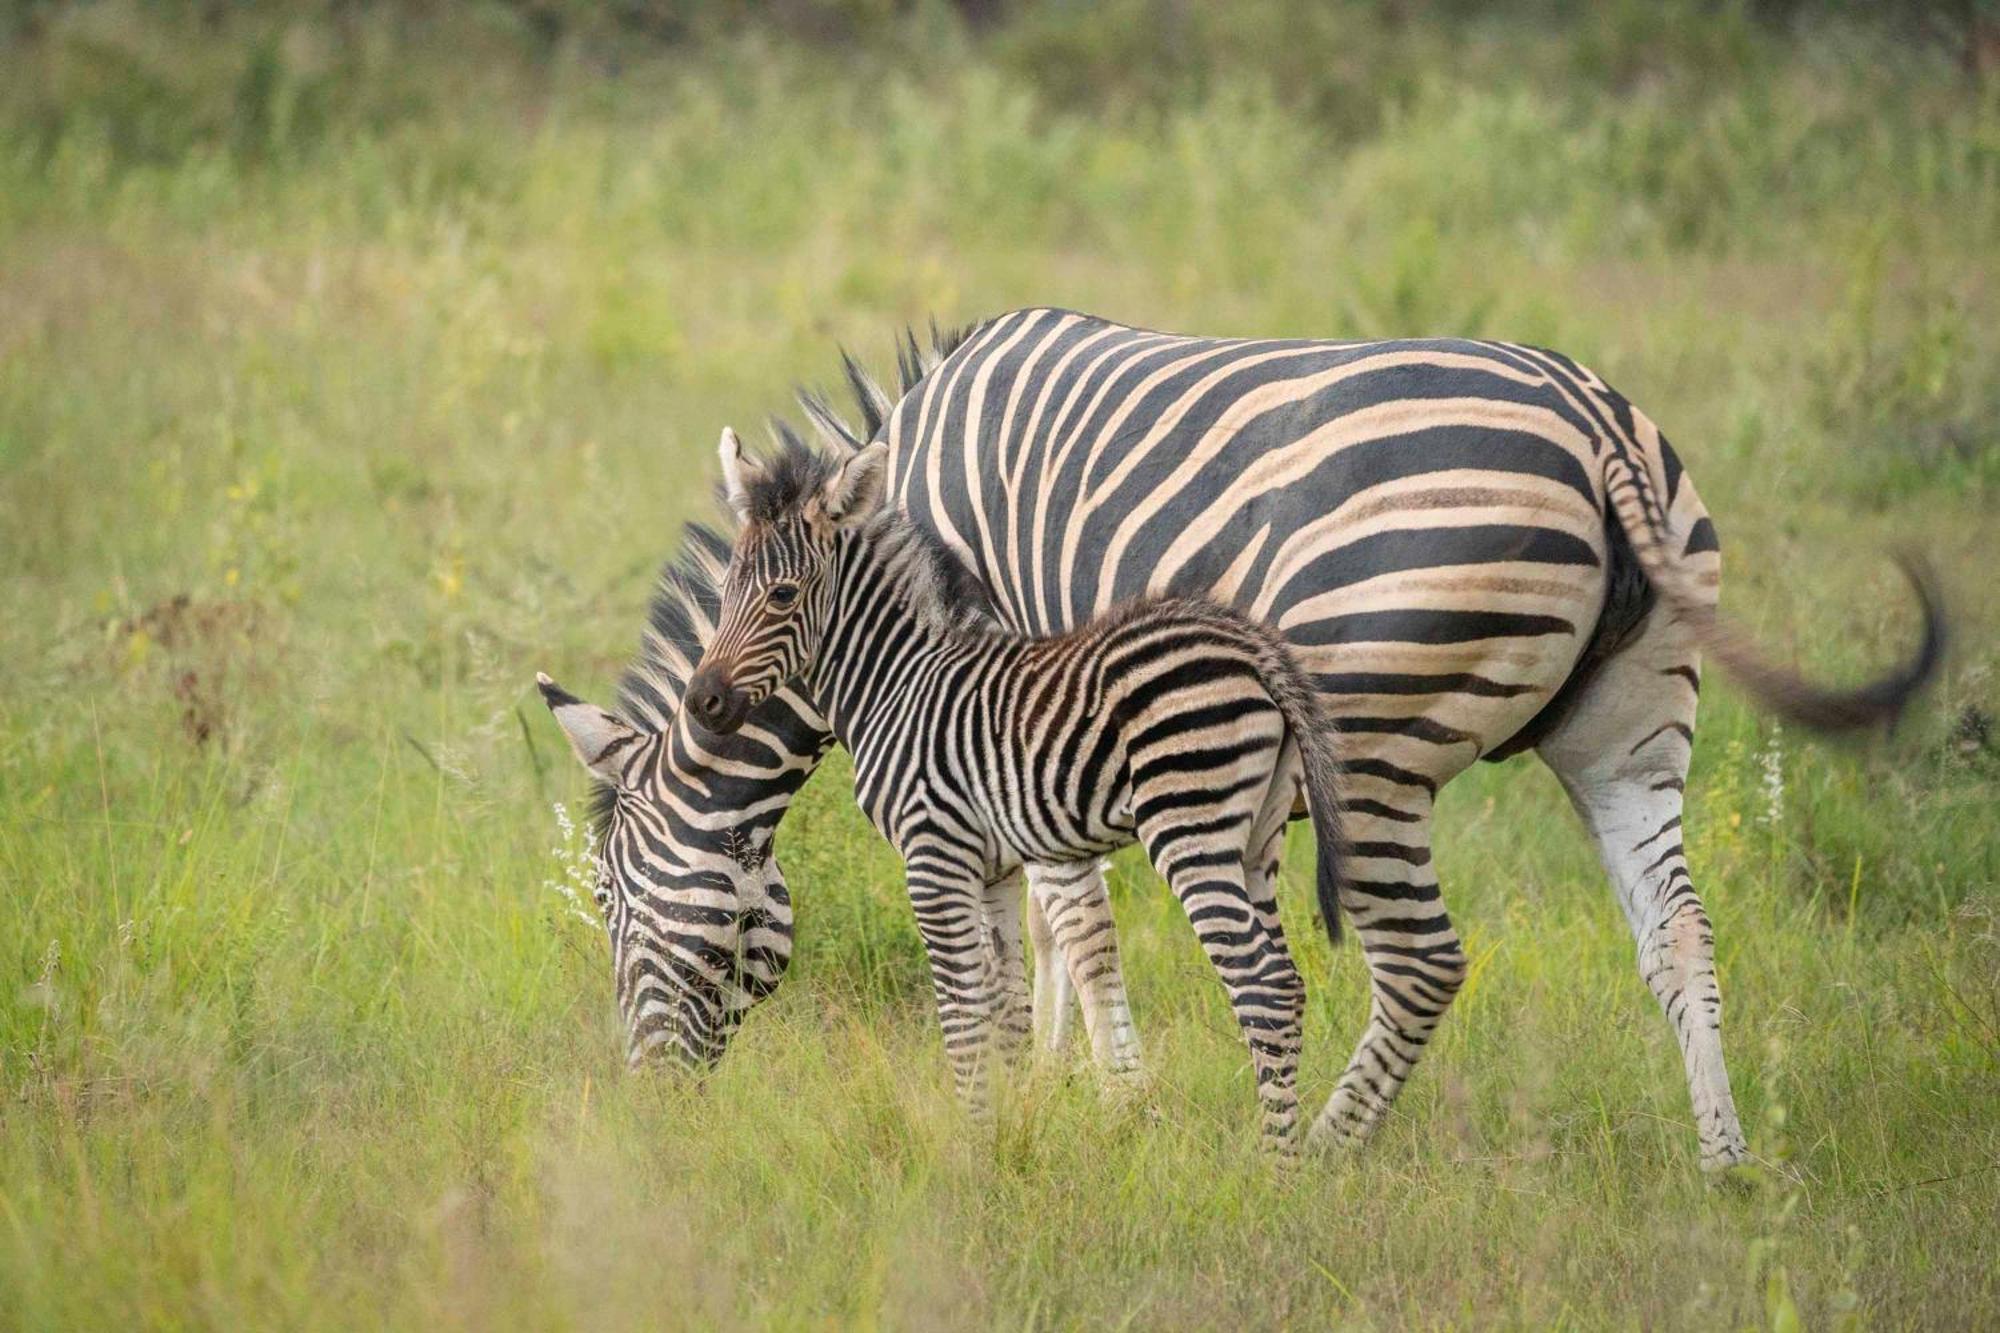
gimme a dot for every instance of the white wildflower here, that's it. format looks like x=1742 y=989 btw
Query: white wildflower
x=1772 y=761
x=578 y=870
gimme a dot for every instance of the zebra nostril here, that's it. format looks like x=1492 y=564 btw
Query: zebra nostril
x=711 y=703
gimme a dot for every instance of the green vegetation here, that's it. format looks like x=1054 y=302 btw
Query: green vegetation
x=354 y=366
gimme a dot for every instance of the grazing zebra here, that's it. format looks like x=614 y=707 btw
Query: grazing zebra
x=696 y=907
x=698 y=914
x=1475 y=549
x=1173 y=723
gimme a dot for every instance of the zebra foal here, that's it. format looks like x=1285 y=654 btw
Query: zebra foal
x=1172 y=722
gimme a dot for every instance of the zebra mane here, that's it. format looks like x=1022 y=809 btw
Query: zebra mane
x=680 y=620
x=681 y=617
x=940 y=586
x=679 y=623
x=914 y=360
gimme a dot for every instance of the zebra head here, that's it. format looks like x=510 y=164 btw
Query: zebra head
x=698 y=915
x=778 y=592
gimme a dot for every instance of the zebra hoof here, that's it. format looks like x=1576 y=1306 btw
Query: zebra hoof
x=1741 y=1178
x=1286 y=1161
x=1725 y=1158
x=1129 y=1093
x=1327 y=1141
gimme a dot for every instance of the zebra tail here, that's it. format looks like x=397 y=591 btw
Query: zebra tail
x=1299 y=703
x=1784 y=692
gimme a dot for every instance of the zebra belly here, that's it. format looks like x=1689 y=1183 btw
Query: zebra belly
x=1059 y=833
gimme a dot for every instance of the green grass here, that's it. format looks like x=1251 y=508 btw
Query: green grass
x=399 y=353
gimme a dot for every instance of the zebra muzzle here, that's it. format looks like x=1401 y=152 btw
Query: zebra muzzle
x=715 y=702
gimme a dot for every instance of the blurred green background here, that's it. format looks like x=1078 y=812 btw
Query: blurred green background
x=358 y=360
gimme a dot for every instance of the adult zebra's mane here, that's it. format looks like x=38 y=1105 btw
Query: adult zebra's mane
x=914 y=360
x=680 y=619
x=679 y=623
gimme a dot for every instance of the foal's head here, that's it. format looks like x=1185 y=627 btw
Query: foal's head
x=778 y=592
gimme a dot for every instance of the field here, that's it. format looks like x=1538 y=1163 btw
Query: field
x=356 y=365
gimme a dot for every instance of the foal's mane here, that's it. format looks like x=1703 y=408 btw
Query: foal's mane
x=941 y=587
x=938 y=584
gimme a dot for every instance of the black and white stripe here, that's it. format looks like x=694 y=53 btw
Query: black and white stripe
x=697 y=912
x=1173 y=723
x=1474 y=548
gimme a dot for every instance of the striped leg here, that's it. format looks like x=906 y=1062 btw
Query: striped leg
x=1622 y=755
x=1054 y=992
x=1267 y=843
x=965 y=971
x=1073 y=900
x=1013 y=1018
x=1265 y=989
x=1415 y=961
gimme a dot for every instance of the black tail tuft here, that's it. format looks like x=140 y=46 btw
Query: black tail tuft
x=1299 y=702
x=1328 y=884
x=1880 y=701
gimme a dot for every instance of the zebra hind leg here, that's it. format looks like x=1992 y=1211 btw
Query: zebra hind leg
x=1267 y=841
x=1415 y=961
x=1622 y=755
x=1054 y=994
x=1265 y=989
x=1073 y=901
x=1013 y=1017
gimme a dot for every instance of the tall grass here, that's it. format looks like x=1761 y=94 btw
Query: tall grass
x=352 y=368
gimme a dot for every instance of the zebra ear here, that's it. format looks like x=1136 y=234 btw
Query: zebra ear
x=600 y=740
x=854 y=493
x=730 y=450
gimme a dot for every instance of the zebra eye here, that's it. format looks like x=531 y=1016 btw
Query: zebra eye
x=782 y=595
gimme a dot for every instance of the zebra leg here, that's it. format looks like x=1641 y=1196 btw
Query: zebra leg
x=1622 y=755
x=1054 y=993
x=965 y=971
x=1073 y=900
x=1415 y=961
x=1267 y=839
x=1012 y=1019
x=1265 y=989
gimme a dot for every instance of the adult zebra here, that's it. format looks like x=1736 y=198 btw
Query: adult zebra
x=1474 y=548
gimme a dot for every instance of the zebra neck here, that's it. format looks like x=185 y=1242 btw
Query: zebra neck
x=724 y=795
x=888 y=631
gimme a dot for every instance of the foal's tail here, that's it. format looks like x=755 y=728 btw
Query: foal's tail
x=1299 y=702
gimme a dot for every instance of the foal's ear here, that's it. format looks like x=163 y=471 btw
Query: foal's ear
x=600 y=740
x=735 y=473
x=853 y=494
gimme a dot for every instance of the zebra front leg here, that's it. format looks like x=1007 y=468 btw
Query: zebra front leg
x=1054 y=993
x=1013 y=1018
x=1072 y=898
x=965 y=975
x=1415 y=961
